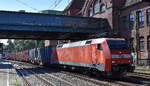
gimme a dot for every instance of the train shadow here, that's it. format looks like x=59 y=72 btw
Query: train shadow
x=138 y=80
x=37 y=70
x=142 y=73
x=132 y=80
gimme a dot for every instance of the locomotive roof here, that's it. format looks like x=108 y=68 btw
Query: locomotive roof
x=86 y=42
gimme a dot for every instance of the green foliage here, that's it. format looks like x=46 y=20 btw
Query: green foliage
x=10 y=47
x=141 y=64
x=21 y=45
x=17 y=83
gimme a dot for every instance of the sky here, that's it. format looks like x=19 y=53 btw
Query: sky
x=32 y=6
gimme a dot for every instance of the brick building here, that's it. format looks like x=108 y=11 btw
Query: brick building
x=134 y=25
x=129 y=19
x=74 y=8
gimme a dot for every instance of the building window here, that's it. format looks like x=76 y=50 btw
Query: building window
x=148 y=43
x=97 y=6
x=141 y=45
x=140 y=16
x=102 y=8
x=131 y=20
x=148 y=16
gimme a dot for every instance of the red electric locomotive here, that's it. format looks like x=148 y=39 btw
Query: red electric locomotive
x=107 y=55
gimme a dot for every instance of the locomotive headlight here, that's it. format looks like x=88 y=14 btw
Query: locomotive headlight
x=113 y=62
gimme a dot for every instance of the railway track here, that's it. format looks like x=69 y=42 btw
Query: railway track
x=64 y=78
x=24 y=73
x=49 y=79
x=143 y=75
x=97 y=82
x=141 y=78
x=101 y=82
x=94 y=80
x=27 y=83
x=54 y=79
x=123 y=81
x=49 y=76
x=42 y=79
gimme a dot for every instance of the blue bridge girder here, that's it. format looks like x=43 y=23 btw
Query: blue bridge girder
x=22 y=25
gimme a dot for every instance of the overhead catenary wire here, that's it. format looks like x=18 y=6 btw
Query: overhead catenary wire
x=52 y=4
x=56 y=3
x=27 y=5
x=52 y=7
x=59 y=1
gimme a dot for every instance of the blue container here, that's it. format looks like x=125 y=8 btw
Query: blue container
x=46 y=54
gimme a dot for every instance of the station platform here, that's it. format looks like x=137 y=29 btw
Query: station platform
x=8 y=75
x=142 y=69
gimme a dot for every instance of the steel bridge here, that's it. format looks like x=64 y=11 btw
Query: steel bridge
x=22 y=25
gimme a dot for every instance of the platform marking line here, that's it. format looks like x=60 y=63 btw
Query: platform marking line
x=7 y=76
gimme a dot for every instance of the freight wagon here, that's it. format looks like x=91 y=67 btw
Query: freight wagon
x=108 y=56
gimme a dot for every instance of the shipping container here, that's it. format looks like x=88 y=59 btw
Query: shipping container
x=46 y=54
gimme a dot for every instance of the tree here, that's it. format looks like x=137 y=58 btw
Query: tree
x=10 y=47
x=21 y=45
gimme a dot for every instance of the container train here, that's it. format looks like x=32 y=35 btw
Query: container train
x=109 y=56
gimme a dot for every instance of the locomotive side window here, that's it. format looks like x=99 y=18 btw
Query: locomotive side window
x=99 y=47
x=60 y=46
x=88 y=42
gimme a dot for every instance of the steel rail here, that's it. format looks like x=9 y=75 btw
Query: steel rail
x=24 y=79
x=60 y=79
x=42 y=79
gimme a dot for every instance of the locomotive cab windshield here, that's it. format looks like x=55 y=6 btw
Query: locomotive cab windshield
x=118 y=45
x=119 y=49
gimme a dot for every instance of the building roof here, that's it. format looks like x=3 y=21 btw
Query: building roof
x=55 y=12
